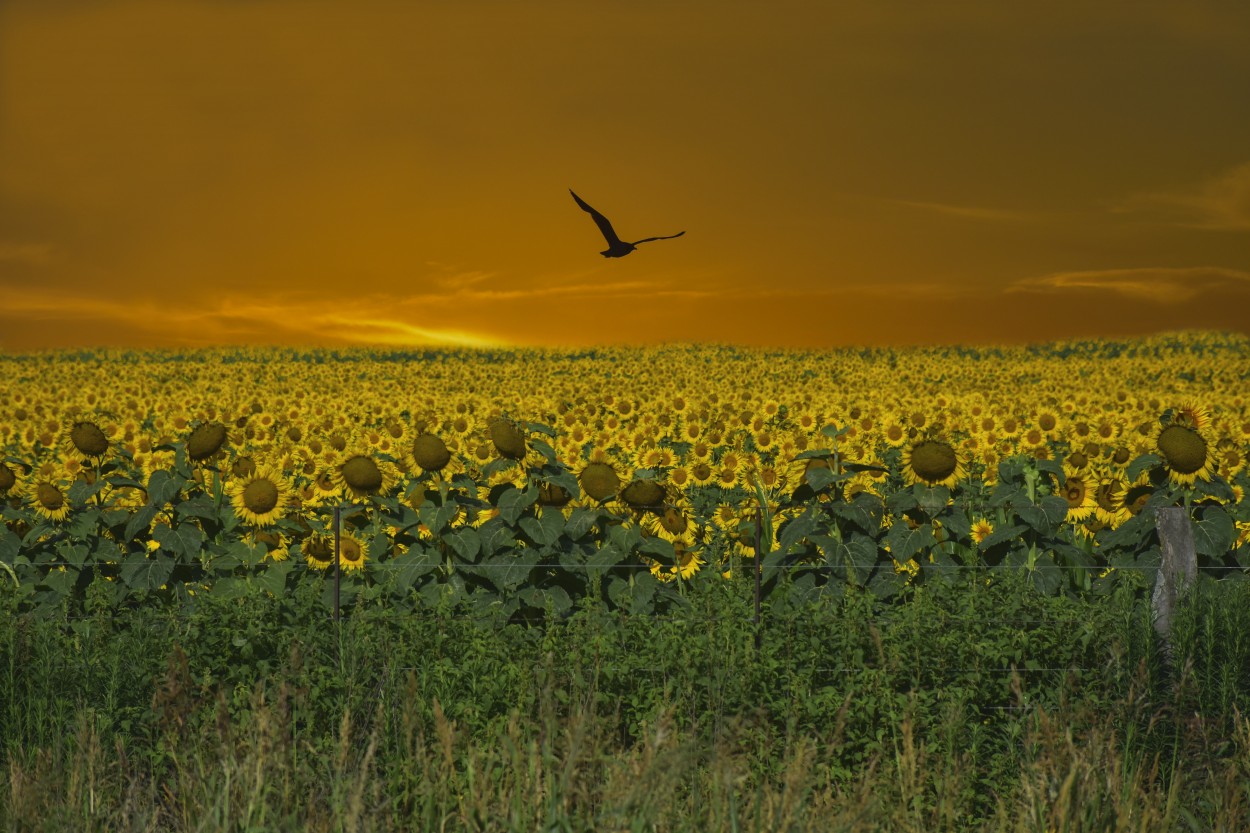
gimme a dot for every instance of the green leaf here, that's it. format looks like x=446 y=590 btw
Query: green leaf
x=163 y=486
x=544 y=531
x=1046 y=576
x=74 y=555
x=272 y=578
x=513 y=503
x=140 y=520
x=818 y=479
x=146 y=571
x=9 y=544
x=413 y=565
x=184 y=541
x=1142 y=463
x=864 y=511
x=61 y=581
x=795 y=530
x=465 y=543
x=1045 y=516
x=642 y=594
x=1002 y=535
x=601 y=560
x=495 y=537
x=660 y=550
x=931 y=499
x=906 y=542
x=580 y=522
x=1214 y=533
x=507 y=572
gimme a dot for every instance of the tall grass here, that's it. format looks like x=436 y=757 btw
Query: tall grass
x=930 y=716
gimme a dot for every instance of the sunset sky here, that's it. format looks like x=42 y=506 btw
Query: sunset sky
x=201 y=172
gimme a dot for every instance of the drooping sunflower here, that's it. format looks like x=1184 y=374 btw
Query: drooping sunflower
x=932 y=461
x=599 y=480
x=261 y=497
x=672 y=524
x=86 y=438
x=205 y=441
x=1186 y=452
x=8 y=480
x=361 y=475
x=431 y=454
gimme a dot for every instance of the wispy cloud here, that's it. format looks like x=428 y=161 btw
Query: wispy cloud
x=1221 y=203
x=243 y=320
x=970 y=212
x=1161 y=285
x=30 y=254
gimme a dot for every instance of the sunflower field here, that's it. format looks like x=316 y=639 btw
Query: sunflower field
x=514 y=483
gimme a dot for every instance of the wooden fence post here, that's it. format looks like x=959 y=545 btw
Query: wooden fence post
x=1178 y=572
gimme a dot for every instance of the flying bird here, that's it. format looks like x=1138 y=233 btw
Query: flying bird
x=616 y=246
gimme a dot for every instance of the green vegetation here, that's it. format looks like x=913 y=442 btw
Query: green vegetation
x=977 y=704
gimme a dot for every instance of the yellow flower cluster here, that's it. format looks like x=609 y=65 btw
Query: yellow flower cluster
x=284 y=431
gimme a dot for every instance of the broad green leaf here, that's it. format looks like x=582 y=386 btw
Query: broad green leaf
x=61 y=581
x=796 y=529
x=543 y=531
x=142 y=571
x=508 y=572
x=580 y=522
x=660 y=550
x=140 y=520
x=163 y=486
x=1142 y=463
x=272 y=577
x=1002 y=535
x=184 y=541
x=408 y=568
x=906 y=542
x=466 y=543
x=495 y=537
x=602 y=559
x=1214 y=533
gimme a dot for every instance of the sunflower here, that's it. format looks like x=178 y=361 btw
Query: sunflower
x=48 y=498
x=644 y=494
x=981 y=529
x=261 y=497
x=1078 y=490
x=701 y=473
x=429 y=453
x=318 y=551
x=687 y=564
x=1186 y=452
x=893 y=432
x=360 y=475
x=1192 y=415
x=8 y=479
x=205 y=440
x=1131 y=498
x=599 y=480
x=673 y=524
x=933 y=462
x=352 y=554
x=1106 y=509
x=86 y=439
x=508 y=439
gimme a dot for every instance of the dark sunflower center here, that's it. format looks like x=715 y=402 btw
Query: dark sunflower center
x=1074 y=491
x=643 y=494
x=600 y=481
x=260 y=496
x=508 y=441
x=430 y=452
x=7 y=478
x=550 y=494
x=49 y=496
x=933 y=460
x=673 y=521
x=1184 y=448
x=362 y=474
x=88 y=439
x=206 y=440
x=349 y=551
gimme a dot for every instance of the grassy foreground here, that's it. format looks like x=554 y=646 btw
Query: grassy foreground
x=971 y=706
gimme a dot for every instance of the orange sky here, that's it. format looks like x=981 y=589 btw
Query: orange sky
x=193 y=172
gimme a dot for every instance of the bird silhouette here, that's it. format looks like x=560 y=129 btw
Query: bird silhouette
x=616 y=246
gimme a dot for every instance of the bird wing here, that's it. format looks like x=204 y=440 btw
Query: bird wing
x=667 y=237
x=600 y=220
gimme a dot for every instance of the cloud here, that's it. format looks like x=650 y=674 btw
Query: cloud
x=1221 y=203
x=240 y=320
x=1161 y=285
x=29 y=254
x=971 y=212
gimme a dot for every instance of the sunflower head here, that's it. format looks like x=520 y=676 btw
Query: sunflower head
x=261 y=497
x=931 y=461
x=599 y=480
x=643 y=494
x=430 y=453
x=205 y=440
x=88 y=439
x=1185 y=451
x=508 y=440
x=7 y=479
x=361 y=475
x=551 y=494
